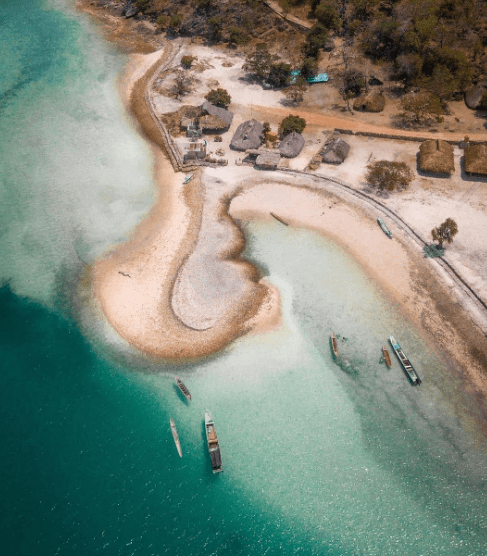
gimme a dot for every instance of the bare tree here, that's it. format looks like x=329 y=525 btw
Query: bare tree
x=182 y=84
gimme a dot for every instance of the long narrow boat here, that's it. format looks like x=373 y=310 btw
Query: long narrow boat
x=188 y=178
x=175 y=435
x=384 y=227
x=405 y=363
x=183 y=388
x=213 y=445
x=279 y=219
x=386 y=356
x=334 y=345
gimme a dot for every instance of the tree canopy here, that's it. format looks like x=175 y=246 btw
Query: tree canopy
x=219 y=97
x=290 y=124
x=387 y=175
x=445 y=232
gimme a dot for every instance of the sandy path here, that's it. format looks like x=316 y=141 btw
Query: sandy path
x=313 y=118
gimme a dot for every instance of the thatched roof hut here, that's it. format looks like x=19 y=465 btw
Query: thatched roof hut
x=474 y=95
x=212 y=124
x=221 y=113
x=476 y=159
x=370 y=102
x=249 y=135
x=335 y=151
x=436 y=156
x=291 y=145
x=268 y=160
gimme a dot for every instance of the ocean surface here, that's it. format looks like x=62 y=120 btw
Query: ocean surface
x=321 y=457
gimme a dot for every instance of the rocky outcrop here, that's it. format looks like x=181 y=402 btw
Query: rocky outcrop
x=476 y=96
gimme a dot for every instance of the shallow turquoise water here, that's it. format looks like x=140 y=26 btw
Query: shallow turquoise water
x=319 y=458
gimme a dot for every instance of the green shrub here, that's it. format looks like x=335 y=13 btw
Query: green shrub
x=219 y=97
x=291 y=123
x=187 y=61
x=387 y=176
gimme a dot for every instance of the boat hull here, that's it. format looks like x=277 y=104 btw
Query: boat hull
x=386 y=356
x=405 y=363
x=182 y=387
x=175 y=436
x=213 y=444
x=334 y=345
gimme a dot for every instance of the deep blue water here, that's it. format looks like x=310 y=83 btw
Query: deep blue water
x=319 y=458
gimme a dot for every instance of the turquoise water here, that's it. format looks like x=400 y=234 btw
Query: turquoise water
x=319 y=458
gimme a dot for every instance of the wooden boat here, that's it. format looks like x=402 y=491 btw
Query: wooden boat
x=334 y=345
x=187 y=179
x=384 y=227
x=386 y=357
x=405 y=363
x=279 y=219
x=213 y=445
x=183 y=388
x=175 y=435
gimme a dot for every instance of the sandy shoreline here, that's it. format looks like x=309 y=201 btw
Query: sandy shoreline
x=159 y=291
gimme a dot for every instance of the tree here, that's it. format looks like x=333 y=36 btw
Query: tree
x=295 y=93
x=144 y=6
x=187 y=61
x=387 y=176
x=309 y=67
x=259 y=62
x=237 y=36
x=219 y=97
x=420 y=109
x=326 y=12
x=279 y=74
x=182 y=84
x=445 y=232
x=291 y=123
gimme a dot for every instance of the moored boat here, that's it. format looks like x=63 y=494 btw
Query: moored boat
x=183 y=388
x=405 y=363
x=384 y=227
x=175 y=435
x=213 y=445
x=386 y=356
x=279 y=219
x=188 y=178
x=334 y=345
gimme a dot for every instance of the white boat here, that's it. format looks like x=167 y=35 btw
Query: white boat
x=213 y=445
x=175 y=435
x=188 y=178
x=405 y=363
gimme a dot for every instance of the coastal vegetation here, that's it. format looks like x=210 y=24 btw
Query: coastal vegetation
x=219 y=97
x=290 y=124
x=445 y=232
x=388 y=176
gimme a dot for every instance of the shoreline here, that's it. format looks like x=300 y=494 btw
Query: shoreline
x=418 y=290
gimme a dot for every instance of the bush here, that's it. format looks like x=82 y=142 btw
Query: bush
x=162 y=21
x=291 y=123
x=309 y=67
x=326 y=12
x=176 y=21
x=219 y=97
x=387 y=176
x=187 y=61
x=237 y=36
x=144 y=6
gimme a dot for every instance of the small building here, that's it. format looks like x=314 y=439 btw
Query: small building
x=268 y=160
x=215 y=119
x=291 y=145
x=336 y=151
x=436 y=157
x=475 y=159
x=370 y=102
x=248 y=135
x=193 y=150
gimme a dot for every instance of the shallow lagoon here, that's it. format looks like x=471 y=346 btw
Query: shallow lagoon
x=319 y=458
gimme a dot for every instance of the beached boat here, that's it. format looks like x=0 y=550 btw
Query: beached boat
x=188 y=178
x=175 y=435
x=279 y=219
x=334 y=345
x=386 y=357
x=405 y=363
x=183 y=388
x=384 y=227
x=213 y=445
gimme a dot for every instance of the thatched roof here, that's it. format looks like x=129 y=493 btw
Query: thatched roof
x=473 y=96
x=291 y=145
x=212 y=124
x=249 y=135
x=172 y=120
x=370 y=102
x=436 y=156
x=335 y=151
x=476 y=159
x=268 y=160
x=221 y=113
